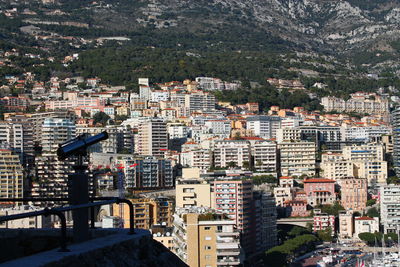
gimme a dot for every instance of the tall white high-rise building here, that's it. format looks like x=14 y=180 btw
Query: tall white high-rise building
x=264 y=126
x=152 y=138
x=56 y=131
x=395 y=120
x=390 y=208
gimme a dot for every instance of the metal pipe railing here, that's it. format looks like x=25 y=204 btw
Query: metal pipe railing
x=46 y=212
x=59 y=212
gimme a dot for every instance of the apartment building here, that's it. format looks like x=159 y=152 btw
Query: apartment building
x=288 y=134
x=35 y=222
x=370 y=103
x=196 y=158
x=152 y=138
x=366 y=134
x=264 y=234
x=120 y=139
x=18 y=136
x=219 y=126
x=163 y=234
x=148 y=173
x=365 y=224
x=374 y=171
x=298 y=158
x=334 y=166
x=234 y=198
x=346 y=225
x=192 y=192
x=147 y=212
x=264 y=126
x=51 y=177
x=231 y=152
x=199 y=101
x=56 y=131
x=265 y=156
x=395 y=121
x=323 y=221
x=371 y=151
x=319 y=191
x=36 y=120
x=283 y=194
x=390 y=207
x=203 y=238
x=353 y=193
x=11 y=175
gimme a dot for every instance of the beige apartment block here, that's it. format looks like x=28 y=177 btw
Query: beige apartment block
x=298 y=158
x=147 y=212
x=11 y=175
x=206 y=239
x=334 y=166
x=193 y=192
x=374 y=171
x=372 y=151
x=346 y=226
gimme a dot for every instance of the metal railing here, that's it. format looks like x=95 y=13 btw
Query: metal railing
x=59 y=212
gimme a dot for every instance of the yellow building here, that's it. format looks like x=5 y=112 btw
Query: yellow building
x=206 y=239
x=193 y=192
x=147 y=212
x=11 y=175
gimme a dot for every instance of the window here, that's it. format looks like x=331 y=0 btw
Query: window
x=207 y=238
x=207 y=247
x=207 y=228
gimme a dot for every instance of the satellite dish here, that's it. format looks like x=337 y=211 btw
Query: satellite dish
x=168 y=234
x=158 y=234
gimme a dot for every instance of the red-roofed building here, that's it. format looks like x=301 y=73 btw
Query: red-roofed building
x=365 y=224
x=320 y=191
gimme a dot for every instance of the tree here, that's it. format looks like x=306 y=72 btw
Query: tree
x=262 y=179
x=393 y=180
x=246 y=165
x=371 y=202
x=325 y=235
x=369 y=238
x=297 y=230
x=101 y=117
x=231 y=164
x=373 y=212
x=332 y=209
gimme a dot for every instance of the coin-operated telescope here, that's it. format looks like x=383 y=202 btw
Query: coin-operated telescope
x=79 y=145
x=78 y=183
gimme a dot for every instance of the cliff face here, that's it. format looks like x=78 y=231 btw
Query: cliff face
x=327 y=25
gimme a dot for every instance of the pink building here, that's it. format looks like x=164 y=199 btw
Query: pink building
x=322 y=221
x=296 y=208
x=353 y=193
x=234 y=198
x=320 y=191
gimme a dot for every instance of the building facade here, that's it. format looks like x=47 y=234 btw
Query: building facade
x=390 y=207
x=298 y=158
x=203 y=238
x=353 y=193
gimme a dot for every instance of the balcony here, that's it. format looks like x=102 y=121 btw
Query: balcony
x=228 y=252
x=224 y=245
x=189 y=194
